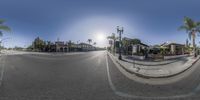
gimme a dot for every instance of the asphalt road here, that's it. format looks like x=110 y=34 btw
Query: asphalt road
x=87 y=76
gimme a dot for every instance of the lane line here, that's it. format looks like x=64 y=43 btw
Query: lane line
x=2 y=69
x=122 y=94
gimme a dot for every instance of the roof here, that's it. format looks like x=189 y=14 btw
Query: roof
x=167 y=43
x=141 y=44
x=137 y=43
x=144 y=44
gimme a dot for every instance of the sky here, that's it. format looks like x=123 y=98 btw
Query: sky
x=152 y=21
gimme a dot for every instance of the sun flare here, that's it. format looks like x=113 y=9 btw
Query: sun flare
x=100 y=37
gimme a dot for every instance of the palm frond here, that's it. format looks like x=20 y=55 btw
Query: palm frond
x=2 y=21
x=189 y=23
x=4 y=28
x=184 y=28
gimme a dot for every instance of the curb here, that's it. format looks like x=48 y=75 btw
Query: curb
x=146 y=76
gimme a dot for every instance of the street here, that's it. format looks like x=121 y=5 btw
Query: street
x=85 y=76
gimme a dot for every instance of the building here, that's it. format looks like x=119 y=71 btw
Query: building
x=133 y=46
x=86 y=47
x=60 y=46
x=174 y=48
x=139 y=48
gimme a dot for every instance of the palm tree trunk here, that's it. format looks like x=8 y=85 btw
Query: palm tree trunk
x=194 y=46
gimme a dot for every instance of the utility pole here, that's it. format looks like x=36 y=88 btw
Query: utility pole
x=120 y=31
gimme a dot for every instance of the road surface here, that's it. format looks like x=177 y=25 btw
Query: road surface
x=85 y=76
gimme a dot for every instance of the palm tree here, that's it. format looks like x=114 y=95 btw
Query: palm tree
x=114 y=38
x=94 y=43
x=3 y=27
x=89 y=41
x=192 y=28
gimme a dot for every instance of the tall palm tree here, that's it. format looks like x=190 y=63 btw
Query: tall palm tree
x=89 y=41
x=114 y=38
x=3 y=27
x=192 y=28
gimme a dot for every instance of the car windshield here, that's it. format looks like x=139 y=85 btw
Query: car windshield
x=99 y=50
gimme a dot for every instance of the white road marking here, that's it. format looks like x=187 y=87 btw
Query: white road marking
x=122 y=94
x=2 y=70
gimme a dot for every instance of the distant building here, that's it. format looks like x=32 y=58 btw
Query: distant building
x=86 y=47
x=61 y=46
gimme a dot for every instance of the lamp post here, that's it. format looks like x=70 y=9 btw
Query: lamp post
x=120 y=31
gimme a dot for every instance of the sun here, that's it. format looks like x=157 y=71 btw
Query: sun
x=100 y=37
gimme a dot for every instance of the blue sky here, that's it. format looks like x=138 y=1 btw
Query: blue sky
x=153 y=21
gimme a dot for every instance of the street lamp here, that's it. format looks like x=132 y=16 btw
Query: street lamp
x=120 y=30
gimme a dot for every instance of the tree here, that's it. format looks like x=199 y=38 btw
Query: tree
x=30 y=48
x=114 y=38
x=192 y=28
x=89 y=41
x=135 y=41
x=126 y=42
x=39 y=44
x=3 y=27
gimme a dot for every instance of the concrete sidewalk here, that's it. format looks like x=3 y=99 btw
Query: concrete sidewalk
x=165 y=70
